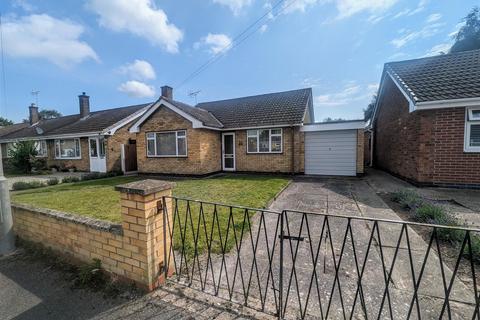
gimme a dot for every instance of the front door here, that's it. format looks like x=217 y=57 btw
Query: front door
x=98 y=163
x=228 y=151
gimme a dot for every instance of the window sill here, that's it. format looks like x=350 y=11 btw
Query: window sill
x=71 y=158
x=253 y=153
x=153 y=157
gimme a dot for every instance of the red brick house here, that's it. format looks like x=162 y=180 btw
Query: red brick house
x=264 y=133
x=426 y=125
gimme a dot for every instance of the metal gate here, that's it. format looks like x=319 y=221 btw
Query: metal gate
x=307 y=265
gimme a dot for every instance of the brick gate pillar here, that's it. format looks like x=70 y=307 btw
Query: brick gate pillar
x=142 y=222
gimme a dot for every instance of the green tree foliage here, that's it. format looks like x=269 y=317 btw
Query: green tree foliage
x=468 y=37
x=368 y=112
x=5 y=122
x=49 y=114
x=22 y=155
x=333 y=119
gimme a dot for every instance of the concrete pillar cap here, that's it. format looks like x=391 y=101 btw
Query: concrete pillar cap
x=145 y=187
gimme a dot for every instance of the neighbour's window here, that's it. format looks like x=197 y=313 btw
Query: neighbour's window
x=264 y=141
x=167 y=144
x=472 y=134
x=10 y=148
x=67 y=148
x=41 y=147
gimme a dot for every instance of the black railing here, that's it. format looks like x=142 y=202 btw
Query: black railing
x=308 y=265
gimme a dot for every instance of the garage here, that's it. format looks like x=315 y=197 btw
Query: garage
x=331 y=148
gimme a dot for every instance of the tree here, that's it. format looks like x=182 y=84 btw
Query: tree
x=22 y=155
x=333 y=119
x=5 y=122
x=468 y=37
x=368 y=112
x=49 y=114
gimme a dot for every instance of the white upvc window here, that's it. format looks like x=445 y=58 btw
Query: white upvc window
x=41 y=147
x=9 y=148
x=67 y=149
x=167 y=144
x=472 y=130
x=265 y=140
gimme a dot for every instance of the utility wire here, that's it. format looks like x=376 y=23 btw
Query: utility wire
x=4 y=77
x=236 y=41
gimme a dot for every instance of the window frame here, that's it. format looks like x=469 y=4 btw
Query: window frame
x=469 y=121
x=44 y=142
x=177 y=137
x=59 y=155
x=270 y=135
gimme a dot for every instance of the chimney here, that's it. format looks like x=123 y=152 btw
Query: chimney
x=84 y=102
x=167 y=92
x=34 y=116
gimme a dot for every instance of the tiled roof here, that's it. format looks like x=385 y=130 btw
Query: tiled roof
x=280 y=108
x=198 y=113
x=12 y=128
x=74 y=124
x=443 y=77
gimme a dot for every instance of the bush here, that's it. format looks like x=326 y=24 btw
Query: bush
x=430 y=213
x=70 y=179
x=23 y=185
x=409 y=199
x=23 y=155
x=91 y=176
x=52 y=181
x=91 y=275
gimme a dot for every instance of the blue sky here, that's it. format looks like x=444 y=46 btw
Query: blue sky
x=121 y=52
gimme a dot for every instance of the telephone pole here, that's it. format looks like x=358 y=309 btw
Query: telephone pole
x=7 y=238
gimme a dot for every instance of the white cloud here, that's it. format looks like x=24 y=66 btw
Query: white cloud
x=409 y=36
x=42 y=36
x=441 y=48
x=263 y=28
x=215 y=42
x=433 y=17
x=139 y=70
x=299 y=5
x=137 y=89
x=410 y=12
x=351 y=92
x=235 y=5
x=347 y=8
x=139 y=17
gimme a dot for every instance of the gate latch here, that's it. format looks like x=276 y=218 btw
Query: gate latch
x=291 y=238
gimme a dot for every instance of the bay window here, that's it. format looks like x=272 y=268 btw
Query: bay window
x=472 y=130
x=167 y=144
x=41 y=147
x=264 y=141
x=67 y=149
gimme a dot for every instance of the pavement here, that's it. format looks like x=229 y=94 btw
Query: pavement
x=43 y=178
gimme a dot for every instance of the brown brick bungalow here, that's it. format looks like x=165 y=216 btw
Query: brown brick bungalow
x=263 y=133
x=87 y=141
x=426 y=125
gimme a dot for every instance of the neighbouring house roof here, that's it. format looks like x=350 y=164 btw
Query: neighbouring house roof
x=95 y=122
x=12 y=128
x=280 y=108
x=443 y=77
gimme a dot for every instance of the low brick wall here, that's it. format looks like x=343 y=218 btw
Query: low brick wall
x=133 y=250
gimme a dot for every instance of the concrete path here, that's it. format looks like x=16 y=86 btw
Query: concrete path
x=253 y=270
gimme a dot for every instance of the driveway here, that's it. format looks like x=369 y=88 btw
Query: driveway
x=43 y=178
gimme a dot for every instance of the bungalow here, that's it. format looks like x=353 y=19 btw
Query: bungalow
x=426 y=124
x=96 y=141
x=264 y=133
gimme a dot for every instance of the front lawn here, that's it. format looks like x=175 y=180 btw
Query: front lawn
x=98 y=199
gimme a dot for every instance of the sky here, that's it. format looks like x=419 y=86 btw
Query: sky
x=120 y=52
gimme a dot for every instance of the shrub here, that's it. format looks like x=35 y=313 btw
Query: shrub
x=70 y=179
x=430 y=213
x=23 y=185
x=91 y=275
x=23 y=155
x=52 y=181
x=409 y=199
x=91 y=176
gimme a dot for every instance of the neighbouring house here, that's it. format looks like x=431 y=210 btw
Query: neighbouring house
x=426 y=125
x=97 y=141
x=264 y=133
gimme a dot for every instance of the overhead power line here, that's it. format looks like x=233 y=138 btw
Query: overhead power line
x=237 y=40
x=4 y=76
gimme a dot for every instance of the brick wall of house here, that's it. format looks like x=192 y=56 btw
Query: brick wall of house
x=366 y=150
x=113 y=146
x=453 y=166
x=426 y=146
x=360 y=151
x=272 y=162
x=82 y=164
x=203 y=147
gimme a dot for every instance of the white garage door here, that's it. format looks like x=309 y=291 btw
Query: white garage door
x=331 y=152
